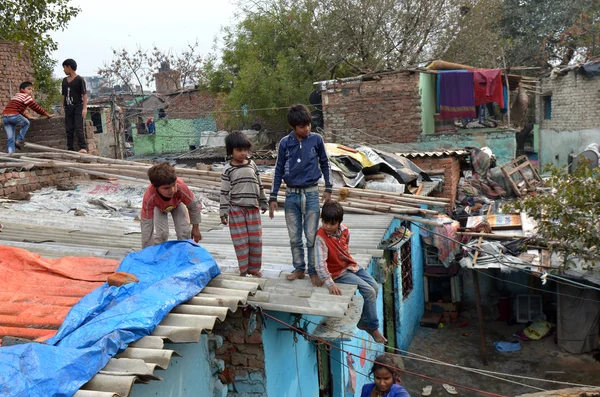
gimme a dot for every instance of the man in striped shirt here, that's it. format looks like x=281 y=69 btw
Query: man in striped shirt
x=13 y=115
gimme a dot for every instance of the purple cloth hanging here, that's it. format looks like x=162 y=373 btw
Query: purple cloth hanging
x=457 y=96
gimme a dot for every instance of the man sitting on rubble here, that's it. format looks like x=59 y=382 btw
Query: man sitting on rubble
x=165 y=195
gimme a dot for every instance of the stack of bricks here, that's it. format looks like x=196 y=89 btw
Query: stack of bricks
x=51 y=133
x=15 y=68
x=380 y=111
x=13 y=181
x=243 y=354
x=451 y=167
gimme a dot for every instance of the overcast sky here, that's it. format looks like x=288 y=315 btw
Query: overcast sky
x=107 y=24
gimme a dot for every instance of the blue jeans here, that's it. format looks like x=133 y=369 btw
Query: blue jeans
x=368 y=287
x=10 y=122
x=302 y=213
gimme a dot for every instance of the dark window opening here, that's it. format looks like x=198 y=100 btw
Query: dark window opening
x=548 y=107
x=192 y=147
x=406 y=269
x=97 y=122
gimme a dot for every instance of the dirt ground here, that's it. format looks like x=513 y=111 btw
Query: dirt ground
x=453 y=344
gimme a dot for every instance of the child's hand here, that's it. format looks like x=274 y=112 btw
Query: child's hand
x=224 y=219
x=272 y=209
x=334 y=290
x=196 y=235
x=51 y=116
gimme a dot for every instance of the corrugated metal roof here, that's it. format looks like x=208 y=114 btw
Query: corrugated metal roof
x=434 y=153
x=66 y=235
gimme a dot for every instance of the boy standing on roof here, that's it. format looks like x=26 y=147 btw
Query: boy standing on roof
x=301 y=160
x=13 y=115
x=74 y=105
x=168 y=194
x=242 y=199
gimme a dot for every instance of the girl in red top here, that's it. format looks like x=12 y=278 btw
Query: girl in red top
x=335 y=265
x=13 y=115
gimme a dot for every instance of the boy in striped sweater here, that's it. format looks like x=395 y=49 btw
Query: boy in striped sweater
x=13 y=115
x=242 y=199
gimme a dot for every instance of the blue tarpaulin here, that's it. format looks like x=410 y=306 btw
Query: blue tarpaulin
x=106 y=321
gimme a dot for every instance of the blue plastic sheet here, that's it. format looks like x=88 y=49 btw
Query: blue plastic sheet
x=106 y=321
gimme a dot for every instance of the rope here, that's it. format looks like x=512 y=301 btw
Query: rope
x=384 y=365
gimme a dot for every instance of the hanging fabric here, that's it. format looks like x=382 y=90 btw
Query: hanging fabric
x=457 y=99
x=488 y=86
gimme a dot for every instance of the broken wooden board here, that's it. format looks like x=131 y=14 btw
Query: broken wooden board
x=521 y=175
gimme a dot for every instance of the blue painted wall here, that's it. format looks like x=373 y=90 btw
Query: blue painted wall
x=361 y=345
x=284 y=362
x=410 y=310
x=189 y=375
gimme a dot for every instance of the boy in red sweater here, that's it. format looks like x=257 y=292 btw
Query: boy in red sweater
x=335 y=265
x=13 y=115
x=169 y=194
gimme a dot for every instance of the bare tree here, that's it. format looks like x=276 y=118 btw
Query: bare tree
x=127 y=68
x=185 y=66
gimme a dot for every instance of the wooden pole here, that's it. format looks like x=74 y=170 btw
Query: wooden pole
x=482 y=342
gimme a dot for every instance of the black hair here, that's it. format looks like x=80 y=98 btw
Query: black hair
x=236 y=140
x=70 y=62
x=299 y=116
x=25 y=84
x=332 y=212
x=386 y=361
x=162 y=174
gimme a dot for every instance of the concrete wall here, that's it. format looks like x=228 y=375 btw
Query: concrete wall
x=427 y=89
x=51 y=132
x=409 y=310
x=172 y=136
x=502 y=143
x=359 y=345
x=107 y=141
x=192 y=374
x=374 y=112
x=15 y=68
x=575 y=116
x=291 y=368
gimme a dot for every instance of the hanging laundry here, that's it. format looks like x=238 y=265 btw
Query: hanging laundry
x=488 y=86
x=438 y=89
x=457 y=99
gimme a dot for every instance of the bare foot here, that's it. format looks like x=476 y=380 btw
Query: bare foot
x=83 y=151
x=255 y=274
x=377 y=336
x=315 y=280
x=295 y=275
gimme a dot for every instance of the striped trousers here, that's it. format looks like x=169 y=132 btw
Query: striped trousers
x=246 y=235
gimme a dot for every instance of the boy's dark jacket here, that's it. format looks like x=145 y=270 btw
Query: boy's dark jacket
x=311 y=152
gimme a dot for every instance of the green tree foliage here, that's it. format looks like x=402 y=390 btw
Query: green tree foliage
x=280 y=47
x=269 y=61
x=29 y=22
x=543 y=32
x=569 y=217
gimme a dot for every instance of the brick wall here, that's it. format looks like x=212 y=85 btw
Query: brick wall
x=374 y=112
x=15 y=67
x=51 y=132
x=575 y=102
x=451 y=166
x=193 y=104
x=13 y=181
x=243 y=354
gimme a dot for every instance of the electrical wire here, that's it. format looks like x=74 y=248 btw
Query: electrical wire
x=419 y=357
x=306 y=334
